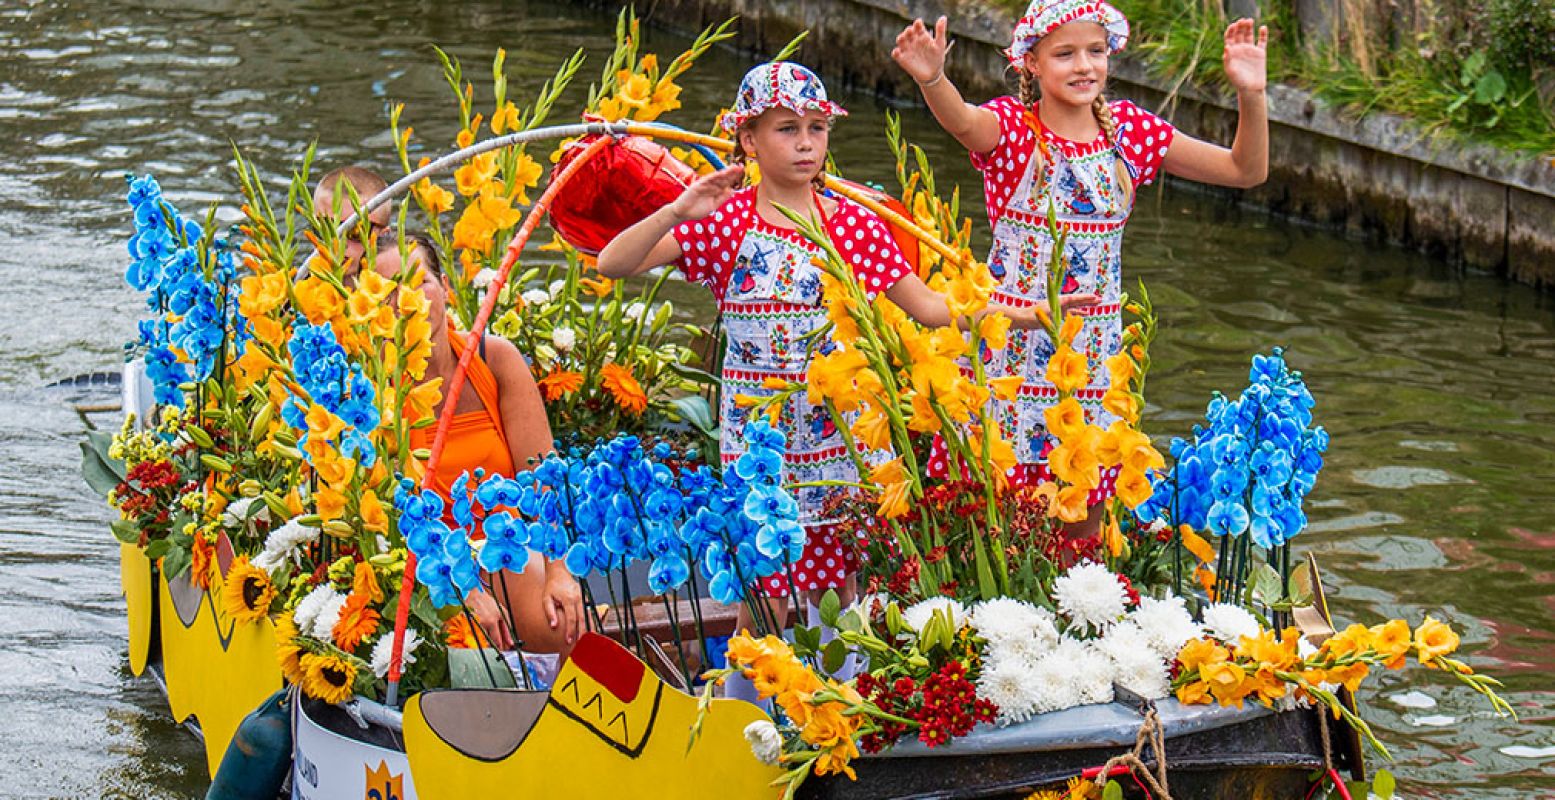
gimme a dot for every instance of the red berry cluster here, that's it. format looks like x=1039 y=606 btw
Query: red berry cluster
x=153 y=475
x=945 y=705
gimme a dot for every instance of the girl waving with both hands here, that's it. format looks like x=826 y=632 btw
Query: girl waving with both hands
x=1062 y=144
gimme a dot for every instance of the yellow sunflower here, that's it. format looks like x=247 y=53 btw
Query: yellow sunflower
x=248 y=591
x=328 y=678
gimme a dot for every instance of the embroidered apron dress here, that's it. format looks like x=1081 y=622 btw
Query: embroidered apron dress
x=770 y=300
x=1081 y=181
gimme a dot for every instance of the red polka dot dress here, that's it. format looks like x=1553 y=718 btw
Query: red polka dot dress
x=1082 y=181
x=769 y=297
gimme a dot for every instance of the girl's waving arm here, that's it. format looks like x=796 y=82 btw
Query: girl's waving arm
x=921 y=52
x=649 y=243
x=1246 y=163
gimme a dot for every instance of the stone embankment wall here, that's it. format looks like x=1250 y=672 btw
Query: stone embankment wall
x=1375 y=176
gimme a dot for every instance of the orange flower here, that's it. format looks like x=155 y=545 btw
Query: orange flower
x=374 y=518
x=1227 y=682
x=462 y=635
x=1071 y=504
x=1392 y=641
x=1004 y=388
x=358 y=620
x=628 y=393
x=318 y=301
x=1070 y=329
x=1196 y=544
x=331 y=504
x=204 y=554
x=872 y=429
x=1434 y=640
x=1133 y=488
x=435 y=199
x=1120 y=401
x=599 y=287
x=1199 y=652
x=1065 y=419
x=560 y=383
x=365 y=582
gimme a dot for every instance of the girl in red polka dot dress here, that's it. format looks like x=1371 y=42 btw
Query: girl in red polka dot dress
x=1061 y=144
x=736 y=243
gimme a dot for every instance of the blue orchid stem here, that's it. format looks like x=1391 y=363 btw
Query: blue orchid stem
x=696 y=602
x=631 y=610
x=475 y=631
x=1176 y=535
x=518 y=641
x=757 y=608
x=570 y=530
x=674 y=618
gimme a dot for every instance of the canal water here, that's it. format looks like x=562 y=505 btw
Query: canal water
x=1439 y=495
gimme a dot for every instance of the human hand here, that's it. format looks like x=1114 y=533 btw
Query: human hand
x=707 y=193
x=1246 y=56
x=921 y=52
x=1069 y=302
x=563 y=602
x=491 y=619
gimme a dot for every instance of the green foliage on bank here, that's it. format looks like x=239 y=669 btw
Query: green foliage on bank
x=1467 y=72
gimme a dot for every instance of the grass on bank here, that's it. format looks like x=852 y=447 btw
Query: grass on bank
x=1480 y=73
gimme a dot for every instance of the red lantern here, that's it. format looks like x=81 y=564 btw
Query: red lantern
x=618 y=188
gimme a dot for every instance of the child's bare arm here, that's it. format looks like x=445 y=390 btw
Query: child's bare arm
x=1246 y=163
x=929 y=308
x=648 y=244
x=921 y=53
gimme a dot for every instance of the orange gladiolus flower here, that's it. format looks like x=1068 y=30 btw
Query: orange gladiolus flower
x=1005 y=388
x=1133 y=488
x=374 y=518
x=1071 y=504
x=1434 y=640
x=628 y=393
x=1065 y=419
x=1196 y=544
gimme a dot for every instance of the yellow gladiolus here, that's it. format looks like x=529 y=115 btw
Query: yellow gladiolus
x=1005 y=388
x=1072 y=504
x=318 y=301
x=1074 y=462
x=472 y=177
x=872 y=429
x=923 y=419
x=261 y=294
x=1196 y=544
x=1120 y=368
x=1067 y=370
x=1133 y=487
x=374 y=518
x=329 y=503
x=599 y=287
x=504 y=119
x=333 y=469
x=1434 y=639
x=1197 y=653
x=1121 y=402
x=1064 y=420
x=1227 y=682
x=1070 y=329
x=1392 y=640
x=435 y=199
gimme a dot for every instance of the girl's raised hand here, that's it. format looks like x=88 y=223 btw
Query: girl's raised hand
x=707 y=193
x=920 y=51
x=1246 y=56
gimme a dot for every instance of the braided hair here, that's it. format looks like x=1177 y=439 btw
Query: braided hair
x=1031 y=92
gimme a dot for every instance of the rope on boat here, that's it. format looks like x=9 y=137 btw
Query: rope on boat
x=1329 y=770
x=451 y=400
x=1151 y=733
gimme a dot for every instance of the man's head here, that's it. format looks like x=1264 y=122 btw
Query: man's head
x=331 y=200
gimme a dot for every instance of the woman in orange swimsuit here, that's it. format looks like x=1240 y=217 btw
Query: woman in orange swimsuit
x=499 y=426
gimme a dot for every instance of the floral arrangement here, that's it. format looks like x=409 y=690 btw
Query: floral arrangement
x=609 y=356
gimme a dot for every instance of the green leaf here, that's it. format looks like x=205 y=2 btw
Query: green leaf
x=125 y=531
x=806 y=640
x=696 y=412
x=693 y=374
x=831 y=606
x=157 y=549
x=96 y=470
x=1490 y=88
x=176 y=562
x=476 y=668
x=1382 y=784
x=1113 y=791
x=1264 y=584
x=832 y=657
x=852 y=622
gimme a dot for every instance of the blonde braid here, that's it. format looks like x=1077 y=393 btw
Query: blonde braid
x=1030 y=93
x=1030 y=90
x=1109 y=127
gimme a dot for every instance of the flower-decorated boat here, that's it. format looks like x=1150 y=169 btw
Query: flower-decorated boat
x=304 y=592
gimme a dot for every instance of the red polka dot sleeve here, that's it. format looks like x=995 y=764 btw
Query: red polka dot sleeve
x=1143 y=138
x=1003 y=166
x=866 y=244
x=708 y=245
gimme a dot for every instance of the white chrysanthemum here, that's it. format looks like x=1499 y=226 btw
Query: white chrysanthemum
x=1020 y=650
x=1052 y=681
x=1090 y=595
x=312 y=605
x=1093 y=675
x=564 y=338
x=765 y=742
x=324 y=624
x=1229 y=623
x=1135 y=663
x=385 y=647
x=536 y=297
x=1012 y=687
x=483 y=278
x=283 y=543
x=1167 y=623
x=556 y=288
x=919 y=613
x=236 y=513
x=1005 y=619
